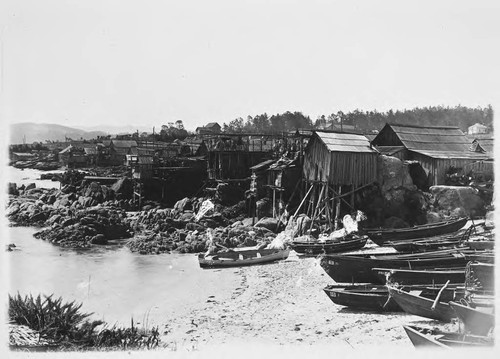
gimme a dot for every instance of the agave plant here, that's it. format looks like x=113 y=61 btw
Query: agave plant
x=50 y=317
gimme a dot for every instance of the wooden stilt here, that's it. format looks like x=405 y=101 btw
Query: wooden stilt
x=301 y=203
x=337 y=209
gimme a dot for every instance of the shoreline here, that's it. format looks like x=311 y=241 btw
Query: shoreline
x=284 y=304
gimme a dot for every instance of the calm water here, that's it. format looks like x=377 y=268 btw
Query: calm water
x=28 y=175
x=113 y=282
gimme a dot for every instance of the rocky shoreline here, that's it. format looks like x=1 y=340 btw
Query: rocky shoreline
x=84 y=213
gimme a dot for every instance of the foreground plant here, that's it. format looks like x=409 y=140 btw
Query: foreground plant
x=65 y=325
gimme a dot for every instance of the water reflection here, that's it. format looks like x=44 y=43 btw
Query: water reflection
x=111 y=281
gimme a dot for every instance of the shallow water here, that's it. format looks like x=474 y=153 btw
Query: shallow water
x=110 y=281
x=113 y=282
x=29 y=175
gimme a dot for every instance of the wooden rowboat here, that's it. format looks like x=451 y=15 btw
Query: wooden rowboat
x=317 y=247
x=433 y=338
x=375 y=297
x=358 y=268
x=475 y=321
x=483 y=274
x=362 y=297
x=239 y=258
x=381 y=236
x=413 y=303
x=422 y=276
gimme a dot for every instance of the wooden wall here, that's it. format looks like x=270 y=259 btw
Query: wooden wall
x=338 y=168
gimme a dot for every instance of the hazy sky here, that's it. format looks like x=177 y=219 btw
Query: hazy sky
x=150 y=62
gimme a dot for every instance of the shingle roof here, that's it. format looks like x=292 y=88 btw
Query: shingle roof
x=211 y=124
x=345 y=142
x=436 y=142
x=124 y=143
x=389 y=150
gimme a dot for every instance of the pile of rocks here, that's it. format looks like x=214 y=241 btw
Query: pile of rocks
x=96 y=225
x=176 y=229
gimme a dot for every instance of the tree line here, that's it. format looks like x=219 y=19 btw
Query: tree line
x=364 y=121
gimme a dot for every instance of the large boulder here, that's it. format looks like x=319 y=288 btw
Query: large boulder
x=13 y=189
x=269 y=223
x=458 y=200
x=125 y=187
x=393 y=173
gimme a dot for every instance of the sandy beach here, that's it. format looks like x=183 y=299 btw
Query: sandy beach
x=284 y=304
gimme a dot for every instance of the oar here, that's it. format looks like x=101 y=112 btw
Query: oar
x=439 y=295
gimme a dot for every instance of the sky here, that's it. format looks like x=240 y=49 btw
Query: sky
x=150 y=62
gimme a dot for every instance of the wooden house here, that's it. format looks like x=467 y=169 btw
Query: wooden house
x=73 y=157
x=340 y=159
x=142 y=167
x=209 y=129
x=477 y=128
x=437 y=149
x=119 y=149
x=336 y=165
x=230 y=156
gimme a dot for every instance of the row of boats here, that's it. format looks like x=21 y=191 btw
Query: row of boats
x=446 y=280
x=438 y=271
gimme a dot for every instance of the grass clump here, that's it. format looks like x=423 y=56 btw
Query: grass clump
x=65 y=326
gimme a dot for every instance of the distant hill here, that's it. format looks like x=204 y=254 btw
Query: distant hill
x=117 y=130
x=39 y=132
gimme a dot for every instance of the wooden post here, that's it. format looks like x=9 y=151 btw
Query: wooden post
x=337 y=209
x=352 y=195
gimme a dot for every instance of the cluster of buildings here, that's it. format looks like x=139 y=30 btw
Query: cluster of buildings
x=272 y=165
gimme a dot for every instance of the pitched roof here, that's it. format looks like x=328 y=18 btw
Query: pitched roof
x=345 y=142
x=124 y=143
x=436 y=142
x=389 y=150
x=211 y=124
x=67 y=149
x=90 y=150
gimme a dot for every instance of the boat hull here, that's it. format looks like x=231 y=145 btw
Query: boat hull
x=417 y=305
x=314 y=248
x=381 y=236
x=242 y=258
x=475 y=321
x=413 y=276
x=358 y=269
x=362 y=297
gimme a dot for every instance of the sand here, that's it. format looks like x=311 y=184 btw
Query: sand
x=284 y=304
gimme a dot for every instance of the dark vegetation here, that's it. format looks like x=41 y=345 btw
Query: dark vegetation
x=366 y=121
x=64 y=326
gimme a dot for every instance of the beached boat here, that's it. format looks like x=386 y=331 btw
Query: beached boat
x=362 y=297
x=413 y=303
x=358 y=268
x=375 y=297
x=421 y=276
x=381 y=236
x=239 y=257
x=483 y=274
x=318 y=247
x=425 y=337
x=475 y=321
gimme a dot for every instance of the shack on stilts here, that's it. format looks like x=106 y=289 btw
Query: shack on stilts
x=336 y=165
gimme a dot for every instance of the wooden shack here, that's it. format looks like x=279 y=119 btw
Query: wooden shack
x=119 y=149
x=230 y=156
x=336 y=165
x=437 y=149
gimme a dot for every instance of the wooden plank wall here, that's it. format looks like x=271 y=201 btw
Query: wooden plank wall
x=338 y=168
